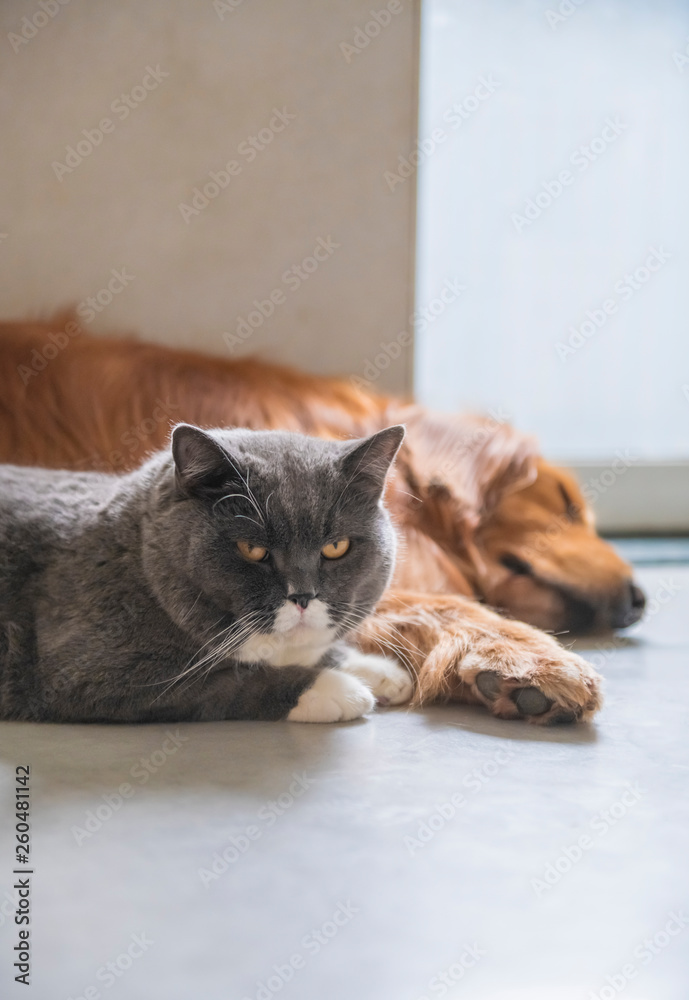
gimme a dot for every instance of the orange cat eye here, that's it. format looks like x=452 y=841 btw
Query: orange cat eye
x=254 y=553
x=335 y=550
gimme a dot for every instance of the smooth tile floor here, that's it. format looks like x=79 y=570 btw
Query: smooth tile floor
x=415 y=854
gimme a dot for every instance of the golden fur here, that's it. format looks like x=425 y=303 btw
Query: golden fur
x=480 y=513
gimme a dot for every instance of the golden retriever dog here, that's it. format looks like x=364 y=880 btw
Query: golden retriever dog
x=485 y=522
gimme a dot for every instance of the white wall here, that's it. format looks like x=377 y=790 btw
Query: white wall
x=553 y=83
x=228 y=66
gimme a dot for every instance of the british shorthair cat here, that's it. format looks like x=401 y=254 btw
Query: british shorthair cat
x=217 y=581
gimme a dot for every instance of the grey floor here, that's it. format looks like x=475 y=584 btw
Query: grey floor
x=414 y=854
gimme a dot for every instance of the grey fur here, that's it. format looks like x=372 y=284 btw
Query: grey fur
x=112 y=586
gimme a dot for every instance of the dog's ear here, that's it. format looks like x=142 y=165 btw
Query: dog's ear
x=466 y=464
x=502 y=462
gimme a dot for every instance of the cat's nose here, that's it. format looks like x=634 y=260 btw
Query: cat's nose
x=301 y=600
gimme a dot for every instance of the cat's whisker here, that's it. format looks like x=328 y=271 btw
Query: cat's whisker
x=232 y=634
x=222 y=632
x=402 y=636
x=250 y=625
x=228 y=645
x=247 y=518
x=185 y=617
x=231 y=637
x=392 y=640
x=242 y=496
x=392 y=647
x=398 y=638
x=252 y=498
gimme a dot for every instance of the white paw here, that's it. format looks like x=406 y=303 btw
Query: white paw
x=390 y=683
x=334 y=697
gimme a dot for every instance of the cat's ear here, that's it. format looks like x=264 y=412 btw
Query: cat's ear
x=201 y=464
x=367 y=462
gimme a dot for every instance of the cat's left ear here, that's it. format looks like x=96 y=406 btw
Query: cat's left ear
x=201 y=464
x=367 y=462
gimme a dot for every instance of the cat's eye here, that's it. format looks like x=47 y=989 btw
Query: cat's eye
x=254 y=553
x=336 y=549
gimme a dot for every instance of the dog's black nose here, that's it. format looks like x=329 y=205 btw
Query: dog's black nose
x=301 y=600
x=638 y=597
x=630 y=608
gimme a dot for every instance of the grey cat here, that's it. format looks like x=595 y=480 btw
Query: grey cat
x=217 y=581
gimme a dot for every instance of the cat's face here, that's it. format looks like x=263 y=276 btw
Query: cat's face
x=284 y=534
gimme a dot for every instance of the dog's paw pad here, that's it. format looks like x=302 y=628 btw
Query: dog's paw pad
x=509 y=700
x=563 y=718
x=489 y=684
x=531 y=701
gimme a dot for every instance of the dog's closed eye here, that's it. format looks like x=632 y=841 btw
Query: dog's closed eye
x=572 y=509
x=515 y=565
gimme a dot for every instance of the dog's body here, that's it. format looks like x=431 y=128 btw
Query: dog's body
x=481 y=515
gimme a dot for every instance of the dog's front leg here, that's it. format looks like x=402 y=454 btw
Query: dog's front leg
x=459 y=650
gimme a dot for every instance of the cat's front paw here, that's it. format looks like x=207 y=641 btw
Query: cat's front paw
x=335 y=696
x=390 y=683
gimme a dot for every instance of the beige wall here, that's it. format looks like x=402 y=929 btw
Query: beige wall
x=319 y=178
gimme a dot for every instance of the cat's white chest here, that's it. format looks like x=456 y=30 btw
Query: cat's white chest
x=296 y=640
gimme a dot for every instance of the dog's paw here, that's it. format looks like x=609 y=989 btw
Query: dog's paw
x=537 y=680
x=334 y=696
x=390 y=683
x=463 y=651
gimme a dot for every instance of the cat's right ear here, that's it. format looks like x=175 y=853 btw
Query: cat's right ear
x=201 y=464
